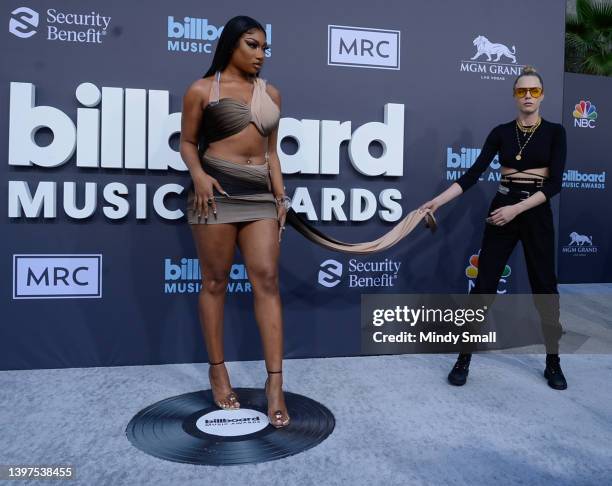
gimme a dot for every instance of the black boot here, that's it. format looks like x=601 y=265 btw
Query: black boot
x=553 y=372
x=459 y=373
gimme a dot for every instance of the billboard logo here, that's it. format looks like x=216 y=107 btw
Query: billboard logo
x=363 y=47
x=493 y=66
x=330 y=273
x=23 y=22
x=579 y=245
x=232 y=423
x=471 y=272
x=457 y=162
x=585 y=114
x=574 y=179
x=57 y=276
x=185 y=277
x=196 y=35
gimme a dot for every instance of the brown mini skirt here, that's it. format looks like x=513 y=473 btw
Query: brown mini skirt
x=249 y=193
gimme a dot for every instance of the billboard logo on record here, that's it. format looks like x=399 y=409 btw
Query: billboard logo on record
x=363 y=47
x=585 y=114
x=24 y=22
x=232 y=423
x=57 y=276
x=493 y=61
x=579 y=245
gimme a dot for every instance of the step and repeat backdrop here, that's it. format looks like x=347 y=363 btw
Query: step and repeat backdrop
x=382 y=109
x=585 y=232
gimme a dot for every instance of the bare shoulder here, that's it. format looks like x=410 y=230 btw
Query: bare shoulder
x=274 y=93
x=199 y=90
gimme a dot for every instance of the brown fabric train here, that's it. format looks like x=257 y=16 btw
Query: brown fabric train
x=395 y=235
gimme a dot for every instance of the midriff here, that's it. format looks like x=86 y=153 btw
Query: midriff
x=531 y=173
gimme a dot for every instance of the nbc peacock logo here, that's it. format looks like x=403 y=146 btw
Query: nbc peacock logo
x=471 y=272
x=585 y=114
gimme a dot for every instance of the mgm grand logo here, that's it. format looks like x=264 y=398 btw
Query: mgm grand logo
x=492 y=60
x=579 y=245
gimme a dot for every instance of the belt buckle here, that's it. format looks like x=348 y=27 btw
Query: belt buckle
x=527 y=195
x=539 y=183
x=503 y=190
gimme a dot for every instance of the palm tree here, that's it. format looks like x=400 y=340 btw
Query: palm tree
x=588 y=38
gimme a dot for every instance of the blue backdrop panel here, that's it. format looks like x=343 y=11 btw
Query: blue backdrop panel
x=430 y=80
x=585 y=233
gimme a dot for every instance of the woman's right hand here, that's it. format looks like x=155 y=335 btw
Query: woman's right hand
x=203 y=185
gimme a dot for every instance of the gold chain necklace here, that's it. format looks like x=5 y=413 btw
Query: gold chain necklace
x=530 y=130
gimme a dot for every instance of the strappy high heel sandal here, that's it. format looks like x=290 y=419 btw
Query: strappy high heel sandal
x=278 y=420
x=230 y=398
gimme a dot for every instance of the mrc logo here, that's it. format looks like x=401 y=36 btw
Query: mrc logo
x=363 y=47
x=57 y=276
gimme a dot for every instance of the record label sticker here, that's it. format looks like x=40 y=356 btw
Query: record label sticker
x=232 y=423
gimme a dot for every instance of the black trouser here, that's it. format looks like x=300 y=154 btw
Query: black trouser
x=534 y=229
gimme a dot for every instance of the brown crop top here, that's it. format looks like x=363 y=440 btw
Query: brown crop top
x=224 y=117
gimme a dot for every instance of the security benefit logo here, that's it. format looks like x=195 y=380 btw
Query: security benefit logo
x=183 y=276
x=198 y=35
x=57 y=276
x=363 y=47
x=357 y=273
x=579 y=245
x=24 y=22
x=492 y=60
x=585 y=114
x=471 y=272
x=80 y=27
x=458 y=161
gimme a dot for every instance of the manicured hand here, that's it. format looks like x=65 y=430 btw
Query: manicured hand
x=204 y=197
x=502 y=215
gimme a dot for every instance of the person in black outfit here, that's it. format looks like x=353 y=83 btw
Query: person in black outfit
x=532 y=155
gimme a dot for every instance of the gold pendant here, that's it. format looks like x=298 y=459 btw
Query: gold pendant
x=518 y=157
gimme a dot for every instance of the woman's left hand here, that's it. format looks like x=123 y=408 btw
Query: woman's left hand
x=282 y=216
x=502 y=215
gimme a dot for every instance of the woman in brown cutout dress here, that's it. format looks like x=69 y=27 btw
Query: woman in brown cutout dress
x=228 y=141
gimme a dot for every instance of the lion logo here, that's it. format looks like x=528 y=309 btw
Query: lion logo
x=580 y=240
x=488 y=48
